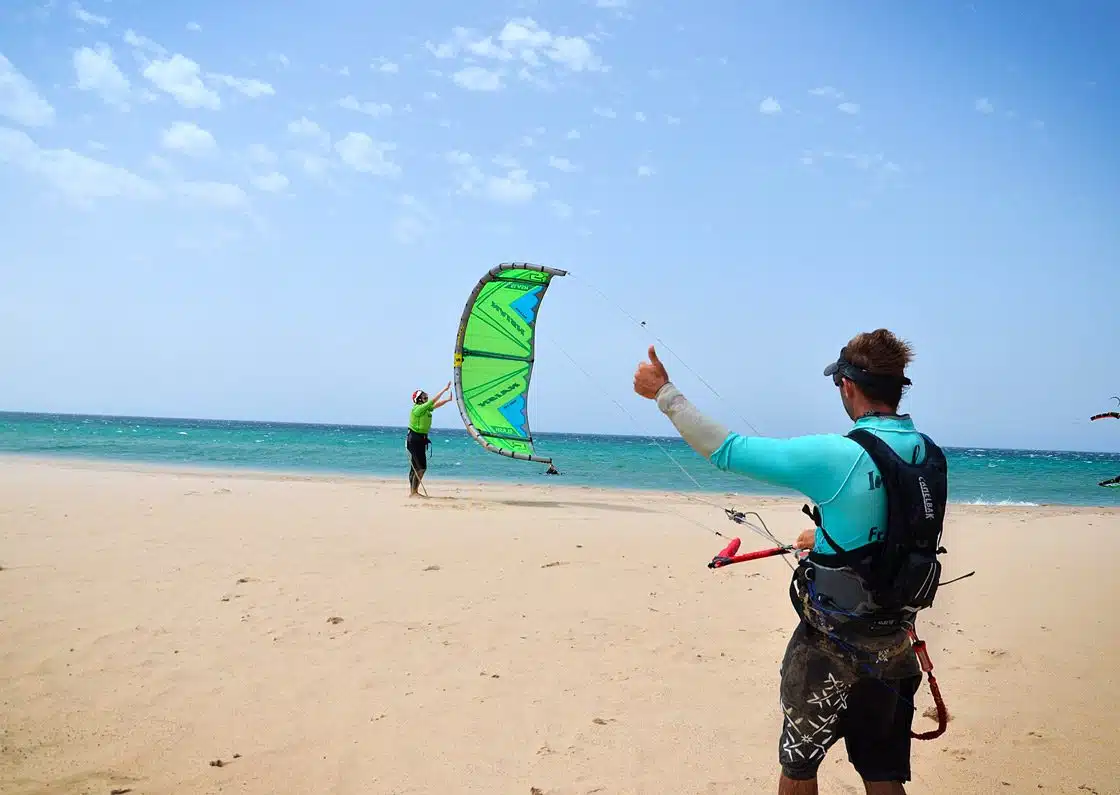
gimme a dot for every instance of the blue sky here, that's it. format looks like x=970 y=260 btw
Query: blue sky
x=209 y=209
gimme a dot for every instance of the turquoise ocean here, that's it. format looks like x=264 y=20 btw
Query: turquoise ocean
x=979 y=476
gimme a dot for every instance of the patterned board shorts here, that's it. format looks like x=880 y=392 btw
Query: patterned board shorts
x=828 y=694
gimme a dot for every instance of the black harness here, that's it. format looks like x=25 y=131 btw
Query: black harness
x=880 y=586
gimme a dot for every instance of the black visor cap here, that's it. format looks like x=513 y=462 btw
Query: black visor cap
x=842 y=367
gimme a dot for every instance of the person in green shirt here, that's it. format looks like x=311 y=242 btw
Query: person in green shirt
x=417 y=442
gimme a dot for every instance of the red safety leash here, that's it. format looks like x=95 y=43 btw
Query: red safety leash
x=927 y=668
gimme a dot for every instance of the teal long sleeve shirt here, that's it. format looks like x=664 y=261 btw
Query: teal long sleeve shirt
x=832 y=470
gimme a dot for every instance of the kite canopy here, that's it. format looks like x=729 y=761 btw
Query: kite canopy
x=494 y=353
x=1113 y=414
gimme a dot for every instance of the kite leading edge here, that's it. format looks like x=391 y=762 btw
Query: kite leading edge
x=495 y=349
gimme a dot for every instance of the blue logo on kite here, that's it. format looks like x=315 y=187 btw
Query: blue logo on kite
x=526 y=305
x=514 y=413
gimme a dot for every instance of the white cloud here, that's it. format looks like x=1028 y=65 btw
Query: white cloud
x=161 y=164
x=769 y=106
x=98 y=72
x=407 y=229
x=524 y=37
x=366 y=155
x=259 y=153
x=513 y=188
x=827 y=91
x=1038 y=124
x=194 y=27
x=375 y=109
x=280 y=59
x=82 y=15
x=850 y=108
x=522 y=40
x=222 y=195
x=506 y=162
x=79 y=178
x=983 y=105
x=273 y=182
x=389 y=68
x=445 y=50
x=610 y=3
x=179 y=77
x=561 y=209
x=573 y=135
x=562 y=164
x=414 y=222
x=189 y=138
x=315 y=166
x=674 y=120
x=19 y=100
x=143 y=43
x=877 y=163
x=606 y=113
x=524 y=73
x=645 y=171
x=248 y=86
x=639 y=116
x=431 y=95
x=305 y=128
x=475 y=78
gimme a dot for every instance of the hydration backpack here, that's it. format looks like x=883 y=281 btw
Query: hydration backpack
x=898 y=571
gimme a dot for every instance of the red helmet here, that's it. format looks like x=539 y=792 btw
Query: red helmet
x=419 y=396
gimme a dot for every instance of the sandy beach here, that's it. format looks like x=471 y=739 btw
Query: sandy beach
x=171 y=632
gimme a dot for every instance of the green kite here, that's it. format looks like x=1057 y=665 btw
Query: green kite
x=495 y=349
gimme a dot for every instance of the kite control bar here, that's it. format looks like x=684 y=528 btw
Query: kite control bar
x=728 y=555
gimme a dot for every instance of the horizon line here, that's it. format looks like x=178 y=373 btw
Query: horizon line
x=358 y=426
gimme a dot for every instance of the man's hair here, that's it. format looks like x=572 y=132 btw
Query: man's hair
x=882 y=353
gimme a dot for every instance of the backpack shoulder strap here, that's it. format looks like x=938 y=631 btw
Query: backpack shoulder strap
x=872 y=444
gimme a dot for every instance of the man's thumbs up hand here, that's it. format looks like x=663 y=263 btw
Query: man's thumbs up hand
x=650 y=376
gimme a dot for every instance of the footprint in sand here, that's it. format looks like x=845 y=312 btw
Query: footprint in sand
x=931 y=713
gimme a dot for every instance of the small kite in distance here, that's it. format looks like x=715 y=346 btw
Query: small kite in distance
x=1110 y=482
x=1108 y=414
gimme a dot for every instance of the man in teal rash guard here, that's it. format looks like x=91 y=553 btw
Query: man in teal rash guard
x=419 y=424
x=847 y=672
